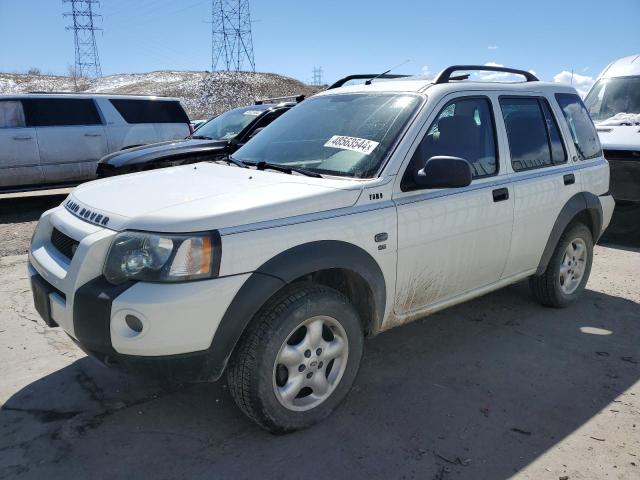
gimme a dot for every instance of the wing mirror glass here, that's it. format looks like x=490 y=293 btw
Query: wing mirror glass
x=444 y=172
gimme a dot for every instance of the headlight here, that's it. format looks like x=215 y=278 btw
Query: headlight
x=159 y=257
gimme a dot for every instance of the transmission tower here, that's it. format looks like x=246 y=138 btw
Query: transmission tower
x=317 y=76
x=231 y=42
x=87 y=62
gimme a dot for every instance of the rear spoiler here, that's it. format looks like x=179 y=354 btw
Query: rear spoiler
x=296 y=98
x=364 y=76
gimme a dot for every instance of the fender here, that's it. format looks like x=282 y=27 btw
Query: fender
x=281 y=270
x=580 y=202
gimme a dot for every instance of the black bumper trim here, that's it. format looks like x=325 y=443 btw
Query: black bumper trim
x=92 y=314
x=92 y=327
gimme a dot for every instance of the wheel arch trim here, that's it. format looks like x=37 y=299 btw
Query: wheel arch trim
x=283 y=269
x=581 y=202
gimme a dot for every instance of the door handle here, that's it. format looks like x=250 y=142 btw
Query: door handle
x=22 y=137
x=500 y=194
x=569 y=179
x=92 y=134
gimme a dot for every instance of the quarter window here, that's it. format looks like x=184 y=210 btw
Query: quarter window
x=150 y=111
x=464 y=128
x=53 y=112
x=534 y=138
x=11 y=114
x=582 y=130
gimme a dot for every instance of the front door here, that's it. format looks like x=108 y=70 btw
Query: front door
x=453 y=241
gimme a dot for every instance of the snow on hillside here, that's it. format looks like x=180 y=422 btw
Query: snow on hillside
x=202 y=94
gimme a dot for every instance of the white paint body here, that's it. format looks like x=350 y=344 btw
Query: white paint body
x=453 y=244
x=69 y=153
x=619 y=137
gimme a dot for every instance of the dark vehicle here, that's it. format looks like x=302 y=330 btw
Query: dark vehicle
x=216 y=139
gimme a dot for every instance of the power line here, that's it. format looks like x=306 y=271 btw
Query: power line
x=231 y=39
x=87 y=61
x=317 y=76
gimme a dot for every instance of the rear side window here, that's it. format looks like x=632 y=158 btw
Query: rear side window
x=534 y=139
x=11 y=114
x=56 y=112
x=150 y=111
x=582 y=130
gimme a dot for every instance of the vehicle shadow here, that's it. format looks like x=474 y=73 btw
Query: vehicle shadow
x=482 y=389
x=27 y=209
x=624 y=229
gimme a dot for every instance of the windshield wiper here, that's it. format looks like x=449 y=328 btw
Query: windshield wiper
x=201 y=137
x=283 y=169
x=238 y=163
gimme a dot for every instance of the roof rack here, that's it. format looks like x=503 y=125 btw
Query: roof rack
x=445 y=75
x=364 y=76
x=297 y=98
x=106 y=94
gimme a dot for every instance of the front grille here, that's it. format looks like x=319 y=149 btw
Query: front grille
x=63 y=243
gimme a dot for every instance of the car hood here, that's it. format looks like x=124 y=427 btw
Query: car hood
x=205 y=196
x=154 y=151
x=619 y=137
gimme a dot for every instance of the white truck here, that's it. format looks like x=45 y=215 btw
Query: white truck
x=54 y=139
x=363 y=208
x=614 y=105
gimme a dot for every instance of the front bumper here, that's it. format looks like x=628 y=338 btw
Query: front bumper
x=178 y=320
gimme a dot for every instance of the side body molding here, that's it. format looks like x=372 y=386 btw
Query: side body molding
x=282 y=269
x=581 y=202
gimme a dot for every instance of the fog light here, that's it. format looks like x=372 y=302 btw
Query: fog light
x=134 y=323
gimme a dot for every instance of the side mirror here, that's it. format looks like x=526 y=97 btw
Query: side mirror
x=444 y=172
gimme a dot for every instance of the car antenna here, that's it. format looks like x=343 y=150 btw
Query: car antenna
x=368 y=82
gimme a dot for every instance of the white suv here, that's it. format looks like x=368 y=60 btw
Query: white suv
x=361 y=209
x=54 y=139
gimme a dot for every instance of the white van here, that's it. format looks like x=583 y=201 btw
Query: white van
x=614 y=105
x=56 y=139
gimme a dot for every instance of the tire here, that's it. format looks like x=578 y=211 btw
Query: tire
x=264 y=388
x=555 y=290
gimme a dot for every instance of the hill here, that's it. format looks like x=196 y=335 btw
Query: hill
x=202 y=94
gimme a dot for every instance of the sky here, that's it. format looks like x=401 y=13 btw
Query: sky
x=550 y=37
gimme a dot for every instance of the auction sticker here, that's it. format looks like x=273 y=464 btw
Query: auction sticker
x=356 y=144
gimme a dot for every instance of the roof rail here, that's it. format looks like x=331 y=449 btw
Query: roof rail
x=445 y=75
x=297 y=98
x=106 y=94
x=364 y=76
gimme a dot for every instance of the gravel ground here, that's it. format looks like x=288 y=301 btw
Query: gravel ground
x=18 y=217
x=495 y=388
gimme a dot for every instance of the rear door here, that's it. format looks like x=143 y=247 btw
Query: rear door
x=148 y=121
x=71 y=137
x=542 y=179
x=19 y=157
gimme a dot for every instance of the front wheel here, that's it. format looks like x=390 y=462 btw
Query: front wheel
x=568 y=270
x=298 y=359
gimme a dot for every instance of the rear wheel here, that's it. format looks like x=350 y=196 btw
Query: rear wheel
x=568 y=270
x=298 y=359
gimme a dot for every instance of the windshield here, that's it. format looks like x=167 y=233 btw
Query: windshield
x=612 y=96
x=342 y=134
x=229 y=124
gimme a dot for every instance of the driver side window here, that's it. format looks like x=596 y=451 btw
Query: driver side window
x=464 y=128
